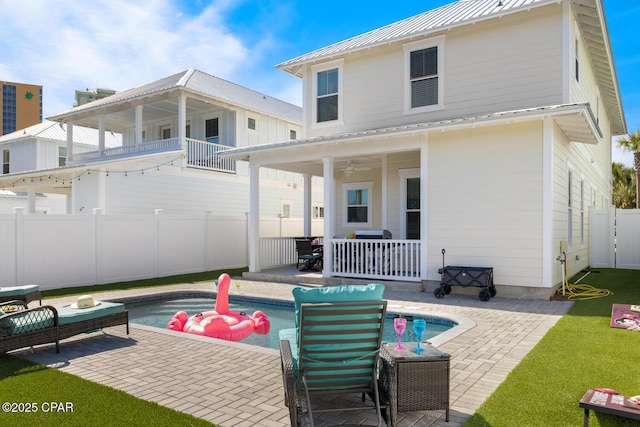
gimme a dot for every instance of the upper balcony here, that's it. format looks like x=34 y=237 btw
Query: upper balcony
x=198 y=154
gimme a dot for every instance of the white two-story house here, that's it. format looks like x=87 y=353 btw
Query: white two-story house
x=156 y=147
x=482 y=128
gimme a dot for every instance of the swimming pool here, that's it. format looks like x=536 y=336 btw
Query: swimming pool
x=157 y=313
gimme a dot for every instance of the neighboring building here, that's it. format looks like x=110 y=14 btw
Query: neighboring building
x=85 y=96
x=21 y=106
x=481 y=127
x=156 y=147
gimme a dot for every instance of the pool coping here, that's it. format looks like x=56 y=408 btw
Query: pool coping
x=464 y=323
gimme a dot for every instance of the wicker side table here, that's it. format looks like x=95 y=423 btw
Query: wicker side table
x=412 y=382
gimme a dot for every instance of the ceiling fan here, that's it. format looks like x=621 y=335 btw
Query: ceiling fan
x=350 y=169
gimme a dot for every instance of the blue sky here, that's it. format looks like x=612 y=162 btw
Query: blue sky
x=65 y=45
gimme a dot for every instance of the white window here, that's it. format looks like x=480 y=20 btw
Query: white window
x=318 y=211
x=5 y=161
x=410 y=203
x=212 y=130
x=251 y=123
x=62 y=156
x=327 y=90
x=164 y=132
x=569 y=208
x=357 y=203
x=424 y=75
x=293 y=135
x=285 y=208
x=577 y=57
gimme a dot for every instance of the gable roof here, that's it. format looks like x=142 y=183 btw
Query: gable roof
x=589 y=14
x=200 y=83
x=58 y=132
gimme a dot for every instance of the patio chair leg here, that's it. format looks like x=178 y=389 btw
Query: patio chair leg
x=306 y=394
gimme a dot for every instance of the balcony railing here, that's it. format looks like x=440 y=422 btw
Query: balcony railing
x=206 y=155
x=200 y=154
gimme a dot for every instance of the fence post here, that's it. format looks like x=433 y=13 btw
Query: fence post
x=97 y=241
x=207 y=215
x=19 y=248
x=158 y=212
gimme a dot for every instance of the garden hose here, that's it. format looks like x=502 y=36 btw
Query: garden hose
x=574 y=291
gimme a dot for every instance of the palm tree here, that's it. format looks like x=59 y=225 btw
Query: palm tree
x=624 y=186
x=632 y=143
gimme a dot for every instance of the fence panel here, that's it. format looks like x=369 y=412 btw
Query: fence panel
x=601 y=238
x=628 y=239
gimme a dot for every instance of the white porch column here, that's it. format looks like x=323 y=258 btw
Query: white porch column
x=424 y=205
x=548 y=255
x=138 y=126
x=69 y=142
x=254 y=217
x=101 y=135
x=385 y=193
x=307 y=204
x=31 y=199
x=182 y=120
x=329 y=215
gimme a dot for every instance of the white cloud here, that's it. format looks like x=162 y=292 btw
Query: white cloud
x=116 y=44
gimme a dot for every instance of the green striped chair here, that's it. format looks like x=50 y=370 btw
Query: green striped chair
x=334 y=348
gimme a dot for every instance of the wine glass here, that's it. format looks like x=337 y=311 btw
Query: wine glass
x=419 y=326
x=400 y=324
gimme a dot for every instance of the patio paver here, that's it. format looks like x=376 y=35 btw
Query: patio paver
x=236 y=385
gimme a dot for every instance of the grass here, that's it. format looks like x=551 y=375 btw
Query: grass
x=37 y=386
x=580 y=352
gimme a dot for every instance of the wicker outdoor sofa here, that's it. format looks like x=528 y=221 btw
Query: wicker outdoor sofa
x=21 y=326
x=26 y=293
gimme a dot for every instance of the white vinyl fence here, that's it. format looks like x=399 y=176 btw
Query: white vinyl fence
x=56 y=251
x=614 y=238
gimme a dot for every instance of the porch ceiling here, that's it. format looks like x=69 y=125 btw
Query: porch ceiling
x=121 y=116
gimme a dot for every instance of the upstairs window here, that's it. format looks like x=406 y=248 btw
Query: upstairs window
x=327 y=82
x=62 y=156
x=211 y=130
x=293 y=135
x=5 y=161
x=251 y=123
x=423 y=71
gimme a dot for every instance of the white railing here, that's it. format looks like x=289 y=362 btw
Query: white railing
x=376 y=258
x=124 y=150
x=279 y=251
x=203 y=154
x=360 y=258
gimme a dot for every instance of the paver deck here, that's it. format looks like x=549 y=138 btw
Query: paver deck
x=239 y=385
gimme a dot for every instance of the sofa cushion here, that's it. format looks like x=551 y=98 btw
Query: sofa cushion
x=9 y=291
x=27 y=322
x=67 y=315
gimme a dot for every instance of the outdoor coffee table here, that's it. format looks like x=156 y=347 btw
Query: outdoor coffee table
x=414 y=382
x=608 y=403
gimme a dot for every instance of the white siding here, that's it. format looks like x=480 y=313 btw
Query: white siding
x=478 y=76
x=485 y=202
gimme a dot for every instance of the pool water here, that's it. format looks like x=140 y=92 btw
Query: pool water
x=281 y=315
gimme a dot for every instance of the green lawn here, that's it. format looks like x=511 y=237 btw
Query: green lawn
x=580 y=352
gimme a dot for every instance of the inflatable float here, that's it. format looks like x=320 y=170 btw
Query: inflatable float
x=221 y=322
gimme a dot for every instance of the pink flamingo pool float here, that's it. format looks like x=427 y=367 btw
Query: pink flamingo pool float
x=221 y=322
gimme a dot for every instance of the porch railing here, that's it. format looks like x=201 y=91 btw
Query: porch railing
x=358 y=258
x=376 y=258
